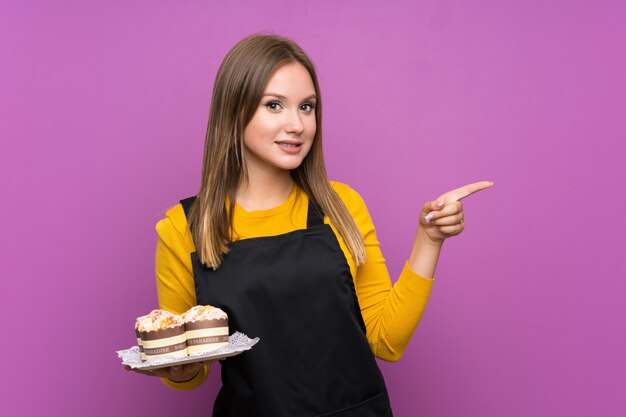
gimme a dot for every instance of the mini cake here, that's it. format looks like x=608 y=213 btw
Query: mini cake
x=207 y=328
x=162 y=335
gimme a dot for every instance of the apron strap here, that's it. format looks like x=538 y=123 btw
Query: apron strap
x=187 y=203
x=315 y=216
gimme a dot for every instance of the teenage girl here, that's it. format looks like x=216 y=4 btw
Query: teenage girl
x=290 y=256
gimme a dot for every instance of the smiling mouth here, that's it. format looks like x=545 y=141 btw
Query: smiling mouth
x=290 y=147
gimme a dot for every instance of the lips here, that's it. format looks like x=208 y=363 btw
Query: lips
x=289 y=146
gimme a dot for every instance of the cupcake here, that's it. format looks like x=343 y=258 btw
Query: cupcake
x=162 y=335
x=206 y=328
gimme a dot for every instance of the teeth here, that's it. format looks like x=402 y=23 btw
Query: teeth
x=289 y=145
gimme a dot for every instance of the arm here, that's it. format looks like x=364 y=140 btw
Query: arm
x=391 y=314
x=175 y=285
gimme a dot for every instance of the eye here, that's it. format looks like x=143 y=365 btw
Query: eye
x=273 y=105
x=307 y=107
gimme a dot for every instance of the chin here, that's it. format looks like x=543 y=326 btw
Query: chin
x=289 y=164
x=290 y=167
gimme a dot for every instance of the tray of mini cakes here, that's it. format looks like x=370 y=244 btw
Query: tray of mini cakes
x=199 y=334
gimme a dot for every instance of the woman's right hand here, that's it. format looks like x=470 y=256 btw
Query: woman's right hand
x=178 y=373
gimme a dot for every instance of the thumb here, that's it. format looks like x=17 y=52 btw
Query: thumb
x=435 y=205
x=438 y=204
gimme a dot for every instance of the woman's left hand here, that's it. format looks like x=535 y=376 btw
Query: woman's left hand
x=444 y=217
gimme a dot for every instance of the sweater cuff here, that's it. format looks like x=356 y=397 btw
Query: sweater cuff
x=417 y=283
x=195 y=382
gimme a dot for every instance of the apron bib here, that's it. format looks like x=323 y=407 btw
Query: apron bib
x=296 y=293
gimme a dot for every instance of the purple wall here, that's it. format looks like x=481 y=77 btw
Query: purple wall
x=103 y=109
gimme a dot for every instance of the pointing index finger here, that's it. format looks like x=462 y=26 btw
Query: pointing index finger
x=465 y=191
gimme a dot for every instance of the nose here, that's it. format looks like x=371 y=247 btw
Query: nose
x=294 y=124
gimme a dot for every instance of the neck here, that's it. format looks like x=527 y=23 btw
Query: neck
x=263 y=191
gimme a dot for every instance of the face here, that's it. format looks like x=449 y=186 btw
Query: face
x=282 y=129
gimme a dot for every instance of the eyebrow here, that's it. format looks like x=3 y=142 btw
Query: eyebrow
x=280 y=96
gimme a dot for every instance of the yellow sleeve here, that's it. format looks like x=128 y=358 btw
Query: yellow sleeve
x=391 y=313
x=174 y=276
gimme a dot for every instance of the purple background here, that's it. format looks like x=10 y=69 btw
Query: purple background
x=103 y=109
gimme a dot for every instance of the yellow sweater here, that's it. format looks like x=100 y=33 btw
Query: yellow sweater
x=391 y=313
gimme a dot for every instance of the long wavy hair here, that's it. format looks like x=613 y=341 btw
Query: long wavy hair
x=237 y=93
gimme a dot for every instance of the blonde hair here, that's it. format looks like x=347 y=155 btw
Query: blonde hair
x=237 y=92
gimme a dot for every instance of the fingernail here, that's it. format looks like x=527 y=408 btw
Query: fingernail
x=440 y=203
x=428 y=217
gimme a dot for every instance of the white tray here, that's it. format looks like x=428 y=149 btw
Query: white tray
x=237 y=344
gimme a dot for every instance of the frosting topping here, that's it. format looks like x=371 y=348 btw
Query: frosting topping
x=203 y=313
x=157 y=320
